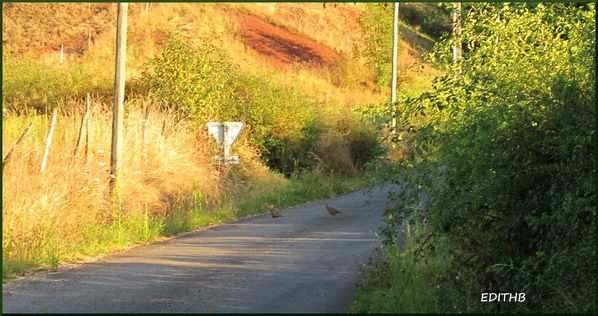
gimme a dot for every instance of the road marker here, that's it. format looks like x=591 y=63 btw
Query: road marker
x=226 y=133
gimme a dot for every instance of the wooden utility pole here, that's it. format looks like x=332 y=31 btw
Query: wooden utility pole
x=395 y=49
x=457 y=48
x=119 y=97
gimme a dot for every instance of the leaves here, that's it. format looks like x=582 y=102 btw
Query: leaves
x=513 y=133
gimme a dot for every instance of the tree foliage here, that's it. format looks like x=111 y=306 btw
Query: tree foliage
x=376 y=22
x=195 y=83
x=503 y=146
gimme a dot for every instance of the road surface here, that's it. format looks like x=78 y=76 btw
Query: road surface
x=306 y=261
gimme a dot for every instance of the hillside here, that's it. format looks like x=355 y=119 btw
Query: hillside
x=260 y=38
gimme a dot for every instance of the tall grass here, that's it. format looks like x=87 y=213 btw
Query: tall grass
x=46 y=217
x=403 y=281
x=169 y=185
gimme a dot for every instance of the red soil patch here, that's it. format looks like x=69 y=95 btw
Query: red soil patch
x=280 y=46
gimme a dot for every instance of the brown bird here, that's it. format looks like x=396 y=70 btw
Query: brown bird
x=274 y=211
x=332 y=210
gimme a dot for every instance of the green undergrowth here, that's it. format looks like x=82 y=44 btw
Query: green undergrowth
x=402 y=281
x=130 y=228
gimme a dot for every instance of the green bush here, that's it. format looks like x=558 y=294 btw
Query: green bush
x=192 y=82
x=376 y=23
x=503 y=146
x=283 y=124
x=404 y=281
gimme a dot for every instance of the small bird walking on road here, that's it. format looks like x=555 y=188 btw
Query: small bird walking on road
x=274 y=211
x=332 y=210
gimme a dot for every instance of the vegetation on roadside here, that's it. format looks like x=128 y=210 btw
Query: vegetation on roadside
x=292 y=149
x=501 y=168
x=403 y=281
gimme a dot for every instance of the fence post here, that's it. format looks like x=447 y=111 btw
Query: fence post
x=9 y=154
x=144 y=132
x=88 y=131
x=48 y=141
x=82 y=127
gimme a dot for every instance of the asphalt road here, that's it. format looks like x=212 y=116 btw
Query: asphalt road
x=306 y=261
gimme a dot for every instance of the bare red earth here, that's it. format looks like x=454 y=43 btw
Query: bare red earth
x=280 y=46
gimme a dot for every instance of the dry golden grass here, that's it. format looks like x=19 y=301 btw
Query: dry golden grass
x=72 y=193
x=169 y=184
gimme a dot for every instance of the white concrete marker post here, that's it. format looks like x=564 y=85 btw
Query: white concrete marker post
x=226 y=133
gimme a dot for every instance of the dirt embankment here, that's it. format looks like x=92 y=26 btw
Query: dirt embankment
x=279 y=46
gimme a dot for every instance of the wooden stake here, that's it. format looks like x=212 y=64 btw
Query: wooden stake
x=88 y=131
x=9 y=155
x=119 y=96
x=48 y=141
x=89 y=39
x=143 y=132
x=82 y=127
x=61 y=53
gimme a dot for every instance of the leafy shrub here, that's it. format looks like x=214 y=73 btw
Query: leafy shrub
x=282 y=123
x=193 y=82
x=503 y=146
x=376 y=23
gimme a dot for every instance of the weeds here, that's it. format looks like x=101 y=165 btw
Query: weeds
x=403 y=281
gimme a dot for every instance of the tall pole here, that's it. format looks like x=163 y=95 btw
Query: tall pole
x=119 y=96
x=457 y=49
x=393 y=84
